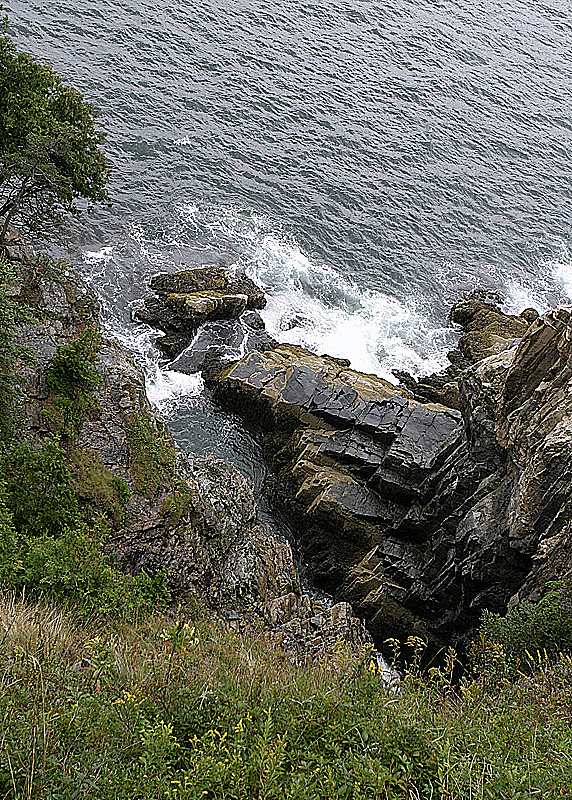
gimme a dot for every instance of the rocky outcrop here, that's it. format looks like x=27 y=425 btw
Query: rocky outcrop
x=420 y=515
x=184 y=300
x=357 y=462
x=193 y=518
x=486 y=330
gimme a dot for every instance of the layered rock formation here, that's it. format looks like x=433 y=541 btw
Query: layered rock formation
x=185 y=300
x=486 y=330
x=193 y=518
x=420 y=514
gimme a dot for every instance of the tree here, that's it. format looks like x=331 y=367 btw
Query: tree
x=50 y=152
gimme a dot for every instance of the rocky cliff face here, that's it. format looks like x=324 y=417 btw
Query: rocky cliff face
x=195 y=519
x=420 y=514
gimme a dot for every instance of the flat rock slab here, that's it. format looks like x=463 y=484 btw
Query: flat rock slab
x=295 y=382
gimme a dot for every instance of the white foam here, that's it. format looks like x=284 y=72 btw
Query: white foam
x=165 y=388
x=94 y=256
x=312 y=305
x=561 y=270
x=520 y=296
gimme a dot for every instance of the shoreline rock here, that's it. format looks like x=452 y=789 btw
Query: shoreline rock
x=418 y=515
x=485 y=330
x=184 y=300
x=425 y=504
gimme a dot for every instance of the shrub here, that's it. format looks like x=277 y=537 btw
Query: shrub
x=73 y=568
x=72 y=378
x=543 y=626
x=39 y=493
x=46 y=547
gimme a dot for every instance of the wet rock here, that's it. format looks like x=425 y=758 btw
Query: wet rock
x=441 y=387
x=486 y=329
x=420 y=515
x=184 y=300
x=224 y=340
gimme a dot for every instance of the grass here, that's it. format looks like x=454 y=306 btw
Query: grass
x=99 y=487
x=180 y=707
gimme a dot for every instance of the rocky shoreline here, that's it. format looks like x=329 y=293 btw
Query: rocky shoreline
x=423 y=503
x=416 y=505
x=193 y=519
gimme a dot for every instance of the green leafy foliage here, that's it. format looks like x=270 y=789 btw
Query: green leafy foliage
x=47 y=548
x=152 y=454
x=72 y=378
x=49 y=148
x=545 y=626
x=39 y=493
x=12 y=315
x=74 y=568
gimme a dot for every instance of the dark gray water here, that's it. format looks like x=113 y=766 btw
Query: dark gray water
x=366 y=162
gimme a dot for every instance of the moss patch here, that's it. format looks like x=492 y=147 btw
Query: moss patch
x=99 y=486
x=152 y=454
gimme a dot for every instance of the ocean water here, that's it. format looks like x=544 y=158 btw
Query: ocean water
x=366 y=162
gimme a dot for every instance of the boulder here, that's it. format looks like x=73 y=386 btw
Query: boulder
x=486 y=329
x=184 y=300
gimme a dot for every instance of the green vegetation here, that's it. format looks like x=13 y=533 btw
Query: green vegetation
x=49 y=148
x=48 y=549
x=12 y=315
x=544 y=627
x=181 y=708
x=99 y=487
x=72 y=378
x=39 y=493
x=152 y=453
x=178 y=504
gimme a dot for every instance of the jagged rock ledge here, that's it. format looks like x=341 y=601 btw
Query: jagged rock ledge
x=185 y=300
x=421 y=514
x=194 y=518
